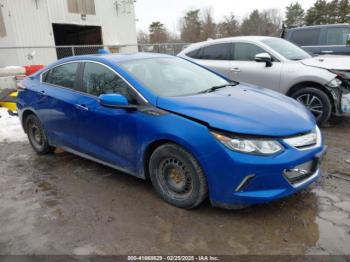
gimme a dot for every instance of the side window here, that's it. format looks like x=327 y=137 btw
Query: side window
x=246 y=51
x=306 y=37
x=194 y=54
x=98 y=80
x=337 y=36
x=44 y=76
x=63 y=75
x=216 y=52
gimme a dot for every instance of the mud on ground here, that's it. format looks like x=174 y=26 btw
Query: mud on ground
x=63 y=204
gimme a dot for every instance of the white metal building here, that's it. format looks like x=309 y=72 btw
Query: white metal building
x=38 y=23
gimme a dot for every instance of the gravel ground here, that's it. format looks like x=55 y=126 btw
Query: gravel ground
x=63 y=204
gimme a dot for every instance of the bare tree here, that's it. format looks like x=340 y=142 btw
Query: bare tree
x=267 y=22
x=228 y=27
x=272 y=21
x=142 y=37
x=208 y=25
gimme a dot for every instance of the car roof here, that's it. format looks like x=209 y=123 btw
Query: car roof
x=317 y=26
x=113 y=57
x=225 y=40
x=237 y=38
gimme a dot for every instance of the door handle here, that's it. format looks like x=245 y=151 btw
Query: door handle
x=236 y=70
x=327 y=52
x=42 y=92
x=82 y=107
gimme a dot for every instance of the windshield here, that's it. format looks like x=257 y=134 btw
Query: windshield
x=286 y=49
x=171 y=76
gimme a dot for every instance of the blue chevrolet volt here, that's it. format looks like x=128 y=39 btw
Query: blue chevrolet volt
x=192 y=132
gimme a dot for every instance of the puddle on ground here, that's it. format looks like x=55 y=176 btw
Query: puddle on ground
x=333 y=220
x=45 y=186
x=90 y=211
x=51 y=202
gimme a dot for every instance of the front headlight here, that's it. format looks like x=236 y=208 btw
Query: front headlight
x=301 y=142
x=334 y=83
x=341 y=73
x=255 y=146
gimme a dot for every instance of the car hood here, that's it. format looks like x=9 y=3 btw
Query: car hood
x=328 y=62
x=245 y=110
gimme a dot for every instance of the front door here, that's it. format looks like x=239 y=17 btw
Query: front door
x=107 y=134
x=245 y=69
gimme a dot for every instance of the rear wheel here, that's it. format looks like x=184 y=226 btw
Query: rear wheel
x=177 y=177
x=36 y=135
x=316 y=101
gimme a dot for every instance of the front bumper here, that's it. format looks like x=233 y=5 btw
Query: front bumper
x=341 y=98
x=345 y=104
x=238 y=180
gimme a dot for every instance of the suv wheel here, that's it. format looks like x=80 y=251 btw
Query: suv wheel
x=177 y=176
x=316 y=101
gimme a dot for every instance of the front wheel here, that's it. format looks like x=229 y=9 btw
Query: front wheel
x=177 y=177
x=316 y=101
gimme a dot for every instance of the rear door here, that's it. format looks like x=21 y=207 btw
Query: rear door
x=245 y=69
x=57 y=104
x=107 y=134
x=334 y=40
x=217 y=57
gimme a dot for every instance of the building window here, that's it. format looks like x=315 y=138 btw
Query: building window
x=2 y=24
x=86 y=7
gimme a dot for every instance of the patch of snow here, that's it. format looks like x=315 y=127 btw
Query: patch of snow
x=10 y=128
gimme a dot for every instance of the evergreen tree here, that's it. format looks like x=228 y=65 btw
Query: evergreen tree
x=294 y=15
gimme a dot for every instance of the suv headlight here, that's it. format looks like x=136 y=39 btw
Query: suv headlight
x=334 y=83
x=342 y=73
x=255 y=146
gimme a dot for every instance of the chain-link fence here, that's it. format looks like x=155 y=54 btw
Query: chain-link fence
x=24 y=55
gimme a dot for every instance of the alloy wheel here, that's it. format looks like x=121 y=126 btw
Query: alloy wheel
x=313 y=103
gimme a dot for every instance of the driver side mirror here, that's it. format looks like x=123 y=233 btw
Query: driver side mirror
x=264 y=58
x=117 y=101
x=348 y=40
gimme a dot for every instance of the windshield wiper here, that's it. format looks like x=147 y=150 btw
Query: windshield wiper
x=214 y=88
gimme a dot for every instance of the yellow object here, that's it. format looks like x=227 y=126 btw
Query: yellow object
x=10 y=105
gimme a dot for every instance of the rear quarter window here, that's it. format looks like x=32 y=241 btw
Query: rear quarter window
x=213 y=52
x=193 y=54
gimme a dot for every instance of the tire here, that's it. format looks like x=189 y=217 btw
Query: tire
x=177 y=177
x=317 y=101
x=36 y=135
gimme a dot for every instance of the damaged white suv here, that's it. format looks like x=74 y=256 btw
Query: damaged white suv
x=321 y=83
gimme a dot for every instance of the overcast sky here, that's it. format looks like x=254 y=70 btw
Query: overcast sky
x=169 y=11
